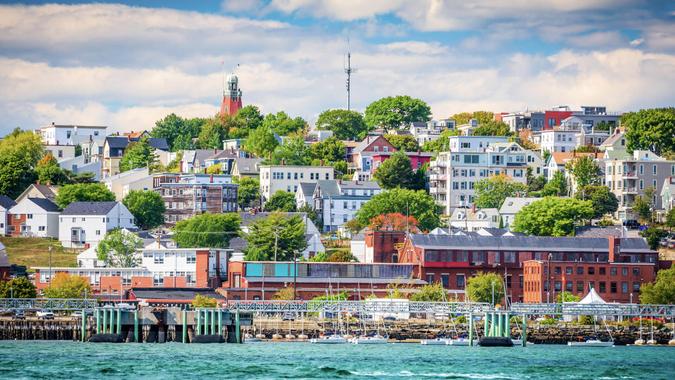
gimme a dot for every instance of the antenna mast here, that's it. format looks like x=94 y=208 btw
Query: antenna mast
x=349 y=70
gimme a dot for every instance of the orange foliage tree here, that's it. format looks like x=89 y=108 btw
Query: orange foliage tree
x=394 y=222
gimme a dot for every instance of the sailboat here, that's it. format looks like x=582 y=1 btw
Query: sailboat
x=651 y=340
x=640 y=341
x=595 y=342
x=336 y=337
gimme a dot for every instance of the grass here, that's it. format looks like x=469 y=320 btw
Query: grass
x=34 y=252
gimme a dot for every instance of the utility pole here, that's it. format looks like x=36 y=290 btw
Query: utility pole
x=50 y=264
x=349 y=70
x=493 y=293
x=276 y=243
x=295 y=274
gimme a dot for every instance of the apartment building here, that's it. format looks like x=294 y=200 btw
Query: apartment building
x=287 y=178
x=628 y=176
x=337 y=201
x=431 y=130
x=70 y=135
x=561 y=139
x=187 y=195
x=123 y=183
x=85 y=224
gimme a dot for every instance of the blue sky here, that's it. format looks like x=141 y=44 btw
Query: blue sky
x=126 y=64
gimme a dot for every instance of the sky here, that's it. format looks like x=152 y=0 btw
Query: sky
x=127 y=64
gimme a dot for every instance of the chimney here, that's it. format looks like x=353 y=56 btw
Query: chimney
x=473 y=208
x=613 y=248
x=53 y=124
x=211 y=178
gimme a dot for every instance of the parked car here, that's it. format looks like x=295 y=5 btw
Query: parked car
x=631 y=224
x=19 y=314
x=288 y=317
x=44 y=314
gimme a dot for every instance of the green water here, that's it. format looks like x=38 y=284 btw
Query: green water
x=69 y=360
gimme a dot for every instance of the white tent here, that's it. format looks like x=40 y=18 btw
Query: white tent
x=592 y=298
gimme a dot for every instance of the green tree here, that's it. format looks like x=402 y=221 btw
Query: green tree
x=404 y=143
x=479 y=287
x=653 y=236
x=534 y=183
x=462 y=117
x=584 y=170
x=215 y=131
x=604 y=201
x=430 y=293
x=569 y=297
x=83 y=192
x=643 y=205
x=346 y=125
x=49 y=172
x=138 y=155
x=491 y=192
x=661 y=291
x=147 y=207
x=177 y=131
x=670 y=218
x=247 y=119
x=492 y=128
x=118 y=249
x=320 y=257
x=341 y=256
x=330 y=150
x=481 y=116
x=64 y=285
x=261 y=142
x=276 y=233
x=18 y=287
x=396 y=112
x=19 y=154
x=557 y=186
x=442 y=143
x=282 y=124
x=602 y=126
x=201 y=301
x=281 y=201
x=248 y=193
x=312 y=215
x=207 y=230
x=652 y=129
x=552 y=216
x=395 y=172
x=293 y=151
x=284 y=294
x=417 y=204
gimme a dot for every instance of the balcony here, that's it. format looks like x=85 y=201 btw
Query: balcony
x=437 y=190
x=631 y=174
x=630 y=190
x=438 y=177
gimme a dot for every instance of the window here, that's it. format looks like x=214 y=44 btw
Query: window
x=569 y=286
x=636 y=271
x=461 y=281
x=569 y=270
x=612 y=271
x=98 y=232
x=603 y=271
x=430 y=278
x=558 y=286
x=41 y=228
x=191 y=259
x=557 y=270
x=445 y=280
x=636 y=286
x=158 y=258
x=624 y=287
x=591 y=270
x=624 y=271
x=158 y=280
x=30 y=216
x=580 y=286
x=612 y=287
x=654 y=169
x=580 y=270
x=603 y=287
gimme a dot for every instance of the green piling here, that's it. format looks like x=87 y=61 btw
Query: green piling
x=136 y=326
x=220 y=322
x=237 y=329
x=184 y=326
x=213 y=321
x=199 y=322
x=499 y=331
x=111 y=327
x=206 y=322
x=507 y=325
x=119 y=321
x=98 y=321
x=471 y=329
x=523 y=335
x=486 y=324
x=105 y=320
x=84 y=325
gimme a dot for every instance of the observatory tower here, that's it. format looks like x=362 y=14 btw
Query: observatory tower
x=231 y=97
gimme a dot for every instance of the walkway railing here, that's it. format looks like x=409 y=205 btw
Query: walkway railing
x=47 y=303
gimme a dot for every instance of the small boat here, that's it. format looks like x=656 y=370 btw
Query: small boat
x=277 y=337
x=302 y=337
x=591 y=343
x=517 y=342
x=377 y=339
x=640 y=342
x=260 y=336
x=290 y=336
x=435 y=342
x=329 y=339
x=458 y=342
x=252 y=339
x=652 y=342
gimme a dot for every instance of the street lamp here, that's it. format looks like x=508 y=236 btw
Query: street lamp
x=493 y=293
x=631 y=297
x=11 y=292
x=50 y=263
x=295 y=274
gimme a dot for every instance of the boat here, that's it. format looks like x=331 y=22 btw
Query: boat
x=458 y=342
x=640 y=342
x=302 y=337
x=435 y=342
x=591 y=343
x=495 y=341
x=329 y=339
x=517 y=342
x=377 y=339
x=652 y=342
x=252 y=339
x=260 y=336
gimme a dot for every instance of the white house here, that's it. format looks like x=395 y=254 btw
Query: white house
x=472 y=220
x=84 y=224
x=305 y=195
x=558 y=140
x=287 y=178
x=6 y=203
x=34 y=217
x=511 y=206
x=431 y=130
x=337 y=201
x=54 y=134
x=668 y=194
x=122 y=183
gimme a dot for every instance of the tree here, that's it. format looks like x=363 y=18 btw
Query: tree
x=394 y=222
x=64 y=285
x=480 y=287
x=319 y=257
x=284 y=294
x=293 y=151
x=670 y=218
x=206 y=302
x=604 y=201
x=653 y=236
x=277 y=236
x=312 y=215
x=215 y=131
x=642 y=205
x=492 y=128
x=430 y=293
x=261 y=142
x=49 y=172
x=481 y=116
x=147 y=207
x=282 y=124
x=248 y=193
x=177 y=131
x=394 y=172
x=442 y=143
x=404 y=143
x=650 y=129
x=215 y=169
x=247 y=119
x=661 y=291
x=396 y=112
x=569 y=297
x=19 y=154
x=138 y=154
x=281 y=201
x=330 y=150
x=602 y=126
x=557 y=186
x=462 y=117
x=491 y=192
x=346 y=125
x=83 y=192
x=118 y=249
x=18 y=287
x=534 y=183
x=341 y=256
x=584 y=170
x=207 y=230
x=552 y=216
x=417 y=204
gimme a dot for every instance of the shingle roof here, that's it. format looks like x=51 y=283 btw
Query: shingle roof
x=598 y=232
x=117 y=141
x=7 y=202
x=512 y=205
x=248 y=165
x=307 y=188
x=158 y=143
x=365 y=143
x=89 y=208
x=45 y=204
x=46 y=190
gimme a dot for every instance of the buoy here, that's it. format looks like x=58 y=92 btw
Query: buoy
x=639 y=342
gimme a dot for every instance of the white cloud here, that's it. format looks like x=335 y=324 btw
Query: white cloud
x=241 y=5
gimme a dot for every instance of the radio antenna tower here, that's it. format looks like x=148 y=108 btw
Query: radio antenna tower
x=349 y=70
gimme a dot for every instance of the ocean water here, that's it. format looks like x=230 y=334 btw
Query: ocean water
x=72 y=360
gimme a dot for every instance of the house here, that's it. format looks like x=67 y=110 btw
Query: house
x=558 y=160
x=312 y=234
x=363 y=152
x=114 y=147
x=287 y=178
x=187 y=195
x=61 y=152
x=337 y=202
x=591 y=137
x=417 y=159
x=80 y=165
x=85 y=224
x=34 y=217
x=70 y=135
x=39 y=191
x=305 y=195
x=6 y=203
x=616 y=141
x=471 y=219
x=125 y=182
x=469 y=128
x=667 y=194
x=511 y=206
x=246 y=167
x=429 y=131
x=197 y=161
x=558 y=140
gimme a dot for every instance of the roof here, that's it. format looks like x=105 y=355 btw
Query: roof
x=307 y=188
x=248 y=165
x=561 y=158
x=238 y=244
x=158 y=143
x=45 y=204
x=117 y=141
x=174 y=293
x=365 y=143
x=599 y=232
x=89 y=208
x=612 y=139
x=512 y=205
x=526 y=243
x=333 y=188
x=617 y=154
x=6 y=202
x=473 y=215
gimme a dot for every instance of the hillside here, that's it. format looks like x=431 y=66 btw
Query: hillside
x=33 y=252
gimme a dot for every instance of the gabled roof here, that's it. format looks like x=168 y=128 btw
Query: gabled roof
x=6 y=202
x=611 y=140
x=368 y=141
x=45 y=204
x=117 y=141
x=599 y=232
x=561 y=158
x=248 y=165
x=89 y=208
x=159 y=143
x=307 y=188
x=472 y=215
x=512 y=205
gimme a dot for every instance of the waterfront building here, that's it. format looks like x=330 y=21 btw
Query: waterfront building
x=34 y=217
x=287 y=178
x=337 y=202
x=6 y=203
x=85 y=224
